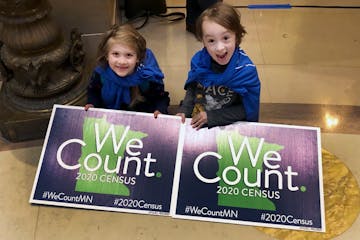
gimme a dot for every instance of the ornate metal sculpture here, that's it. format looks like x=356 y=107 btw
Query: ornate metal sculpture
x=39 y=66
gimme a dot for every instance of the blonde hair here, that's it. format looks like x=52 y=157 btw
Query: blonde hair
x=124 y=34
x=224 y=15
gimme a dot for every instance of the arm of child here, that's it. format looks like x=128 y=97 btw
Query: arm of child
x=187 y=105
x=225 y=116
x=94 y=92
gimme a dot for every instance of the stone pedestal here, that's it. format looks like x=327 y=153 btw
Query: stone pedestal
x=40 y=68
x=20 y=124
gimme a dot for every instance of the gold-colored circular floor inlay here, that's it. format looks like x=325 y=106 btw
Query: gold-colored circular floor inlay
x=342 y=203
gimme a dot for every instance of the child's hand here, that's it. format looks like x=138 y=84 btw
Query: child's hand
x=156 y=113
x=87 y=106
x=182 y=115
x=199 y=120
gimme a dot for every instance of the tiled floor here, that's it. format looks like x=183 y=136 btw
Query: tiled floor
x=309 y=64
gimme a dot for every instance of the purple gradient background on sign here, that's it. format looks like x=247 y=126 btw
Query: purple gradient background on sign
x=162 y=142
x=300 y=151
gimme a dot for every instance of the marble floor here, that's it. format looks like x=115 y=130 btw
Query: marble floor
x=308 y=60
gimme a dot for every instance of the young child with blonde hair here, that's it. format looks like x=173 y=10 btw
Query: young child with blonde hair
x=127 y=76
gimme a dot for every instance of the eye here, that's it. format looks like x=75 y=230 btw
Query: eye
x=210 y=40
x=227 y=38
x=115 y=54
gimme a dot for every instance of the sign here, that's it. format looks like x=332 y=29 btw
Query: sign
x=252 y=174
x=256 y=174
x=107 y=160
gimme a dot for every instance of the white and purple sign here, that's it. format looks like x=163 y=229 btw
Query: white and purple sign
x=246 y=173
x=108 y=160
x=253 y=174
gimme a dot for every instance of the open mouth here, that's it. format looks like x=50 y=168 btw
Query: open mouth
x=222 y=57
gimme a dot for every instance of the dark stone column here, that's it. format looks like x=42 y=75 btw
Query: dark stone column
x=40 y=68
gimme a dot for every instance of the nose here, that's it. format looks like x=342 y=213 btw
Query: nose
x=121 y=60
x=219 y=46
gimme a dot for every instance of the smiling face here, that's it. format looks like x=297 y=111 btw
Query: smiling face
x=122 y=59
x=219 y=41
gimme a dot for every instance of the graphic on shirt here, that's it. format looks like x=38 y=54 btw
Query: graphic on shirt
x=102 y=156
x=242 y=171
x=217 y=97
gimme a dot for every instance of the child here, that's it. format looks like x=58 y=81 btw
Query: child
x=127 y=76
x=223 y=86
